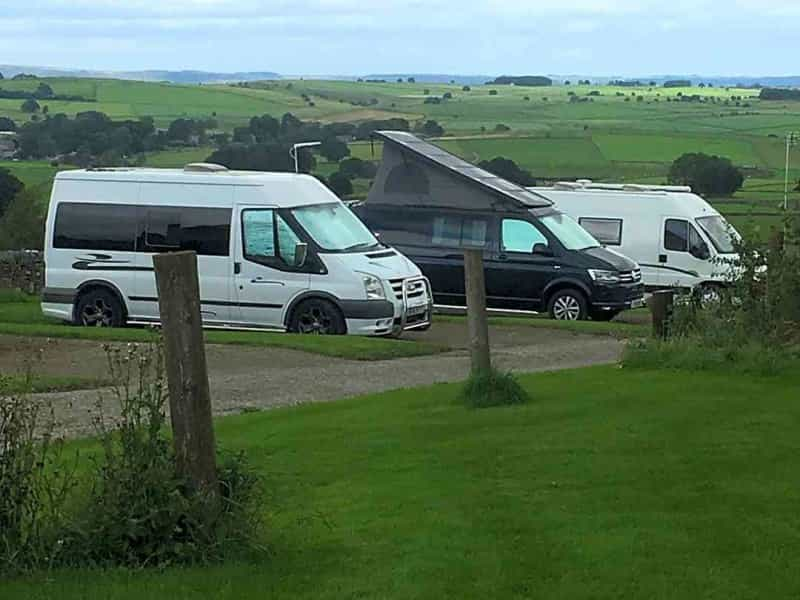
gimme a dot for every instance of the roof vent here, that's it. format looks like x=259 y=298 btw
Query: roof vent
x=566 y=185
x=204 y=168
x=584 y=182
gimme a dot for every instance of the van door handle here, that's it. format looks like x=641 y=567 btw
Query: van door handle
x=502 y=256
x=237 y=268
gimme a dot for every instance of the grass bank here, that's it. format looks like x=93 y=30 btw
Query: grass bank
x=611 y=483
x=23 y=317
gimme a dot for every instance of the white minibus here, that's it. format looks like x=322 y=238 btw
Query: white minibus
x=275 y=250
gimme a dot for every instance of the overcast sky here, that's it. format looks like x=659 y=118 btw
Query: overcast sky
x=593 y=37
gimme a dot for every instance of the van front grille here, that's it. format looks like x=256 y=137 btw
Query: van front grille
x=634 y=276
x=414 y=287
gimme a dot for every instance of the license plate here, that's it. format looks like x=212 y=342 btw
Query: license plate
x=416 y=310
x=637 y=303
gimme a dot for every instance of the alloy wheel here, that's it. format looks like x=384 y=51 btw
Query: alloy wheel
x=97 y=314
x=566 y=308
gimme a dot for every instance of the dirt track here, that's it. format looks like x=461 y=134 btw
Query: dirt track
x=244 y=378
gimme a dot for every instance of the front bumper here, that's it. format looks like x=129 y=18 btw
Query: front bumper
x=415 y=303
x=412 y=309
x=618 y=297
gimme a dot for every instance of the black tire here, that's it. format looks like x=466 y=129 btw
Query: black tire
x=99 y=307
x=317 y=316
x=603 y=315
x=568 y=305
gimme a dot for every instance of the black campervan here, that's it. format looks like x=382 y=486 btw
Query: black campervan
x=431 y=205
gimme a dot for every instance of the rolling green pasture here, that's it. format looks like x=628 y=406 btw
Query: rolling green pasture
x=610 y=483
x=605 y=138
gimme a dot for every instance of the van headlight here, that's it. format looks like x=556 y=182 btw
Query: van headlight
x=604 y=277
x=373 y=287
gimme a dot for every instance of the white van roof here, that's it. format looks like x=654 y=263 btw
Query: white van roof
x=202 y=173
x=283 y=189
x=671 y=199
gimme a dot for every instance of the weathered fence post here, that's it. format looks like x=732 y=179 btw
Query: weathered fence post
x=187 y=375
x=477 y=323
x=661 y=310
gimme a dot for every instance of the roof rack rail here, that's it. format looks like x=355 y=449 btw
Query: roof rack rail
x=202 y=167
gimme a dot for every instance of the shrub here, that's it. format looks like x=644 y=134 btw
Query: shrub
x=492 y=388
x=140 y=511
x=752 y=326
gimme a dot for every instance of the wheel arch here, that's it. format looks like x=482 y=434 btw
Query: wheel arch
x=92 y=284
x=564 y=284
x=308 y=295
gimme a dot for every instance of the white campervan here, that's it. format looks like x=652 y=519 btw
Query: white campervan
x=678 y=239
x=275 y=250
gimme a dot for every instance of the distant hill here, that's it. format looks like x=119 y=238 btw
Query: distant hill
x=431 y=78
x=152 y=75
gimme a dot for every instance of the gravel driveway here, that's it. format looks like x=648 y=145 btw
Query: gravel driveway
x=243 y=378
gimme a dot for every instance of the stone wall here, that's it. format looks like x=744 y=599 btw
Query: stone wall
x=22 y=270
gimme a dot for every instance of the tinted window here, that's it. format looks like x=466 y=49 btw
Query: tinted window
x=521 y=236
x=207 y=231
x=95 y=227
x=162 y=229
x=605 y=231
x=676 y=235
x=455 y=231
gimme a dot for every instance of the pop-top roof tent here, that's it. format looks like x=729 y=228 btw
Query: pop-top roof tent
x=414 y=172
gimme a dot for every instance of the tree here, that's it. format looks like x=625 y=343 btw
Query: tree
x=501 y=128
x=1 y=76
x=7 y=124
x=707 y=175
x=466 y=88
x=355 y=168
x=22 y=224
x=411 y=80
x=340 y=184
x=10 y=186
x=508 y=169
x=30 y=106
x=181 y=130
x=447 y=96
x=493 y=92
x=43 y=91
x=431 y=128
x=334 y=149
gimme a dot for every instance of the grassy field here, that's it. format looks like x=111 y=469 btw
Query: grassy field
x=630 y=324
x=612 y=483
x=25 y=319
x=17 y=384
x=612 y=136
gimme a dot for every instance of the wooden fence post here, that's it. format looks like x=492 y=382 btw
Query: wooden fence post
x=661 y=310
x=187 y=375
x=477 y=322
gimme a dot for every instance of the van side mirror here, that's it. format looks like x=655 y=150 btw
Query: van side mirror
x=300 y=254
x=542 y=249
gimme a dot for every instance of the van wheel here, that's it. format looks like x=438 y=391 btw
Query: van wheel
x=99 y=308
x=567 y=305
x=317 y=316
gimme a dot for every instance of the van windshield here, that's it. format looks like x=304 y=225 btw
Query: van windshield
x=721 y=232
x=571 y=235
x=335 y=228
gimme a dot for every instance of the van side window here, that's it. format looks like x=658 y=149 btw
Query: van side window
x=605 y=231
x=454 y=231
x=521 y=236
x=676 y=235
x=258 y=233
x=287 y=240
x=89 y=226
x=162 y=229
x=207 y=231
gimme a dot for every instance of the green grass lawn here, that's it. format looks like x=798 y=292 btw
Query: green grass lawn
x=25 y=319
x=612 y=483
x=630 y=324
x=17 y=384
